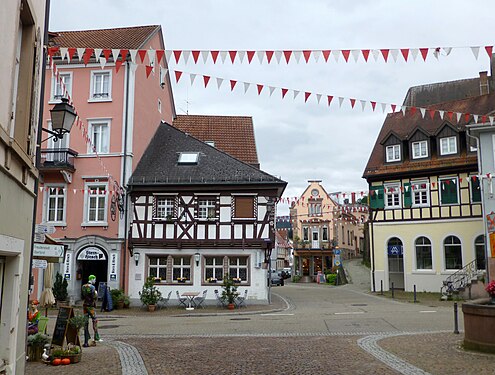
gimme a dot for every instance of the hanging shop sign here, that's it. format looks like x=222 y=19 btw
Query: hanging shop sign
x=113 y=267
x=92 y=253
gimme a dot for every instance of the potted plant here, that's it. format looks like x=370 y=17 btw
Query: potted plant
x=73 y=353
x=36 y=343
x=117 y=298
x=237 y=280
x=127 y=301
x=490 y=288
x=229 y=292
x=60 y=289
x=150 y=294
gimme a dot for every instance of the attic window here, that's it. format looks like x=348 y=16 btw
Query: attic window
x=393 y=153
x=210 y=143
x=188 y=158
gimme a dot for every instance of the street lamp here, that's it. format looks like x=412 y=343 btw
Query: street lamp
x=197 y=258
x=63 y=117
x=136 y=258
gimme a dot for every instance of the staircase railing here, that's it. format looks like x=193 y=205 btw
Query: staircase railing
x=460 y=279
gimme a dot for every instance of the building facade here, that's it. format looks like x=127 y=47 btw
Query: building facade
x=22 y=29
x=425 y=197
x=199 y=214
x=85 y=174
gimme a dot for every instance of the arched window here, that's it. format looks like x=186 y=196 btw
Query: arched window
x=479 y=248
x=423 y=254
x=453 y=253
x=395 y=255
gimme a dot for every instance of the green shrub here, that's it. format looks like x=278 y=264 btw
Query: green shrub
x=296 y=278
x=331 y=278
x=60 y=288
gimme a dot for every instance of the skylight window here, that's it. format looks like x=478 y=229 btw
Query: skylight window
x=210 y=143
x=188 y=158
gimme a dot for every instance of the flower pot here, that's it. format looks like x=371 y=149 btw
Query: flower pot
x=34 y=353
x=231 y=306
x=151 y=308
x=120 y=304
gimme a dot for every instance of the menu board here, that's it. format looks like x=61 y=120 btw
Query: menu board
x=63 y=329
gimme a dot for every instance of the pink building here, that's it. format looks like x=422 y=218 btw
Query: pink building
x=120 y=109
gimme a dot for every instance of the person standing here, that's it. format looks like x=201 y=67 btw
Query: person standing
x=90 y=296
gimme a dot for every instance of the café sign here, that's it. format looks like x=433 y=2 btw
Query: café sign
x=92 y=253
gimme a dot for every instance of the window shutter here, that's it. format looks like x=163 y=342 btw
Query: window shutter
x=475 y=190
x=448 y=191
x=407 y=195
x=244 y=207
x=377 y=200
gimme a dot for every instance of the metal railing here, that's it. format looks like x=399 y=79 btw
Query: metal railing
x=58 y=158
x=460 y=279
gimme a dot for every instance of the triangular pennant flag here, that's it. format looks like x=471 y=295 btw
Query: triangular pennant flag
x=178 y=74
x=287 y=55
x=159 y=55
x=296 y=93
x=341 y=100
x=489 y=50
x=177 y=55
x=318 y=98
x=385 y=54
x=272 y=89
x=475 y=51
x=316 y=55
x=414 y=53
x=405 y=53
x=466 y=117
x=195 y=56
x=107 y=53
x=297 y=55
x=241 y=55
x=63 y=52
x=80 y=53
x=219 y=82
x=168 y=55
x=70 y=53
x=204 y=55
x=394 y=53
x=424 y=52
x=355 y=54
x=363 y=104
x=232 y=84
x=214 y=56
x=232 y=55
x=260 y=88
x=307 y=55
x=450 y=114
x=246 y=86
x=206 y=79
x=329 y=99
x=284 y=92
x=142 y=55
x=250 y=55
x=186 y=55
x=192 y=77
x=353 y=101
x=269 y=55
x=326 y=54
x=384 y=107
x=345 y=53
x=458 y=115
x=118 y=64
x=376 y=54
x=260 y=54
x=133 y=53
x=373 y=105
x=423 y=112
x=87 y=55
x=366 y=54
x=103 y=62
x=447 y=50
x=475 y=118
x=97 y=53
x=403 y=109
x=491 y=120
x=278 y=56
x=223 y=56
x=483 y=119
x=306 y=96
x=441 y=114
x=432 y=113
x=123 y=54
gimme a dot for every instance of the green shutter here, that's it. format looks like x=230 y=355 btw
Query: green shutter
x=448 y=191
x=475 y=189
x=407 y=195
x=376 y=197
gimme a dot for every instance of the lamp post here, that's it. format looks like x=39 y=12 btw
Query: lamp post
x=63 y=117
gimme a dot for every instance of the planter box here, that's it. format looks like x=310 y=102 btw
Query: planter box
x=479 y=325
x=34 y=353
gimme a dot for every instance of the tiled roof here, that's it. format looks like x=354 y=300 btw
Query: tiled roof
x=405 y=126
x=125 y=37
x=231 y=134
x=159 y=164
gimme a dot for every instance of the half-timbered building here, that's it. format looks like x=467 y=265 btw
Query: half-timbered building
x=425 y=200
x=200 y=214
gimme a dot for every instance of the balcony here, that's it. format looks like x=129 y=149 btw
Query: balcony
x=57 y=159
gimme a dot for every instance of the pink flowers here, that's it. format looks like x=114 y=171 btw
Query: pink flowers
x=490 y=288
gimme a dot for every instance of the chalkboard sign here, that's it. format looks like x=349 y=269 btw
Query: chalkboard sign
x=107 y=303
x=63 y=330
x=321 y=278
x=102 y=287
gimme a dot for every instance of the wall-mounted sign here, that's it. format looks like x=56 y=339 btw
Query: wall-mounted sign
x=113 y=267
x=395 y=250
x=44 y=228
x=48 y=251
x=67 y=266
x=40 y=263
x=92 y=253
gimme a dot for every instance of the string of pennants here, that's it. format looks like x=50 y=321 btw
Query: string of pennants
x=62 y=190
x=343 y=219
x=451 y=115
x=80 y=125
x=152 y=56
x=149 y=56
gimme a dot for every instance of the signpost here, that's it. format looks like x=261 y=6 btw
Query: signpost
x=41 y=250
x=44 y=228
x=40 y=263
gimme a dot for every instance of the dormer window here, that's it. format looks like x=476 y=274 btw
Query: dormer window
x=393 y=153
x=188 y=158
x=210 y=143
x=420 y=149
x=448 y=146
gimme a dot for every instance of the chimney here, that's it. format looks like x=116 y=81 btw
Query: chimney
x=484 y=89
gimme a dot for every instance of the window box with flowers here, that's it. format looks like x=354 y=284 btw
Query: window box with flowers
x=211 y=280
x=158 y=279
x=237 y=280
x=181 y=280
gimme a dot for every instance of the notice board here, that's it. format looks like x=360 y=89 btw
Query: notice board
x=63 y=330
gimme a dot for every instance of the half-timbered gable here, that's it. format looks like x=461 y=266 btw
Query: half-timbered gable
x=199 y=214
x=426 y=214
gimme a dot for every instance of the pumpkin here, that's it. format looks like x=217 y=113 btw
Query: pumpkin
x=65 y=361
x=56 y=361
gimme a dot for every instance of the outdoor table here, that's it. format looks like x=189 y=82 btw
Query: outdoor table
x=190 y=296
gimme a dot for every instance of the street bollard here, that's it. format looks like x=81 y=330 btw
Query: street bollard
x=456 y=322
x=415 y=294
x=393 y=290
x=381 y=287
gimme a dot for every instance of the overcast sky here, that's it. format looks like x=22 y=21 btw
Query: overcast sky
x=297 y=141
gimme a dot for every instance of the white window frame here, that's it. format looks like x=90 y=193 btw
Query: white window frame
x=161 y=264
x=164 y=207
x=217 y=269
x=416 y=245
x=182 y=266
x=91 y=127
x=314 y=209
x=417 y=188
x=55 y=86
x=88 y=195
x=392 y=190
x=92 y=97
x=207 y=209
x=422 y=148
x=236 y=267
x=46 y=203
x=447 y=140
x=323 y=237
x=395 y=150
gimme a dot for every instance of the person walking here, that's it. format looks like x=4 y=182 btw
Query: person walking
x=90 y=296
